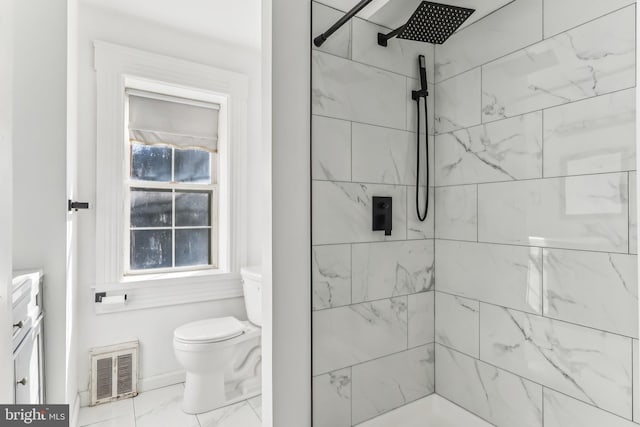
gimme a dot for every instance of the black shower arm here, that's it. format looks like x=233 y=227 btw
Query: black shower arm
x=324 y=36
x=383 y=38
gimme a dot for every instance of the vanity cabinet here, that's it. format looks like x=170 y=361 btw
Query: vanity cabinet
x=28 y=338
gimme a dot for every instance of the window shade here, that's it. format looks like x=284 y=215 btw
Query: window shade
x=163 y=120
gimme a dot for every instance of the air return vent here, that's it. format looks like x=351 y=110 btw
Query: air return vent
x=114 y=372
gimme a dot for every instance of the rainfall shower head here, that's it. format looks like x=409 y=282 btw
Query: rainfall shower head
x=431 y=23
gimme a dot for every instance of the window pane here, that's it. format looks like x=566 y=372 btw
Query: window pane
x=193 y=166
x=150 y=249
x=150 y=208
x=150 y=163
x=192 y=247
x=193 y=208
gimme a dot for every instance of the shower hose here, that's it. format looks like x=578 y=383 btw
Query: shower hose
x=422 y=217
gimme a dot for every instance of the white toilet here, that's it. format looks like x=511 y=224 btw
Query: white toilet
x=220 y=354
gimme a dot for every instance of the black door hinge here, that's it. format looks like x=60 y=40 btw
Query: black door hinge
x=77 y=205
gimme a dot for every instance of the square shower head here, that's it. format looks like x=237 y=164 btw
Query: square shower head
x=434 y=22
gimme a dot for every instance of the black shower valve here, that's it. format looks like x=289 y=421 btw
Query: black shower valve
x=382 y=214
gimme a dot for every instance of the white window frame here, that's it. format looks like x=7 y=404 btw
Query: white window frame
x=117 y=68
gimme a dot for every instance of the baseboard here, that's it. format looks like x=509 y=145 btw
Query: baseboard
x=74 y=412
x=159 y=381
x=144 y=384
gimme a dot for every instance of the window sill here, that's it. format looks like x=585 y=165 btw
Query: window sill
x=151 y=291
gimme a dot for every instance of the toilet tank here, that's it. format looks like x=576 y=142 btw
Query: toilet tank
x=252 y=286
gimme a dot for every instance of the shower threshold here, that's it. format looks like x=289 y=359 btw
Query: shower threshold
x=431 y=411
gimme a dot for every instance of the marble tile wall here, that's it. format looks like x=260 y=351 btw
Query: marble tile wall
x=373 y=295
x=535 y=256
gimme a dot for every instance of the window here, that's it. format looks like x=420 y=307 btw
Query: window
x=173 y=189
x=171 y=184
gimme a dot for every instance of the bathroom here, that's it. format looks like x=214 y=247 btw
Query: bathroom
x=495 y=283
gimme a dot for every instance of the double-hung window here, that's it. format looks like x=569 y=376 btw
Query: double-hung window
x=171 y=185
x=171 y=201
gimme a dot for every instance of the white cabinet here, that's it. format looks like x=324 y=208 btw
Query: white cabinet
x=28 y=342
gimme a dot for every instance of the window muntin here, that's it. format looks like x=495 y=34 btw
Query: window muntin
x=172 y=192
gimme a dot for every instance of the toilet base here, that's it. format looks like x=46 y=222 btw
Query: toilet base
x=204 y=393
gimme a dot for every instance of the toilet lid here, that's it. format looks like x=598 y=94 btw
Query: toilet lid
x=209 y=330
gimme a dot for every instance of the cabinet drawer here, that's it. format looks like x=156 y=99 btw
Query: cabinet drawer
x=21 y=321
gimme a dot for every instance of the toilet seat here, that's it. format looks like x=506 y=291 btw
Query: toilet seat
x=209 y=330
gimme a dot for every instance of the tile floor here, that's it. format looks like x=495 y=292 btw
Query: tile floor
x=161 y=408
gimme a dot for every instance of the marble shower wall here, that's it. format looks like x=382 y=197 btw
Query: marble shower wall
x=373 y=296
x=536 y=272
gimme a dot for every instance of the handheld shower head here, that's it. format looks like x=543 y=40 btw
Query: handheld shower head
x=423 y=72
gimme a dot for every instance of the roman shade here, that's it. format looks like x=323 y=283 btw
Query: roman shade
x=156 y=119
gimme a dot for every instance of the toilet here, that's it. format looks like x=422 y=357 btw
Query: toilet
x=221 y=356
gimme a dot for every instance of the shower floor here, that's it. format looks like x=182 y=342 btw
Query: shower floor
x=432 y=411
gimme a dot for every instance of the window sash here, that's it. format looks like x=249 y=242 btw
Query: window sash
x=214 y=227
x=174 y=186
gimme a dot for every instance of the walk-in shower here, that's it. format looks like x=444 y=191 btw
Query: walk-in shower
x=516 y=298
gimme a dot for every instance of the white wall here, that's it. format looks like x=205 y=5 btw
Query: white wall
x=39 y=162
x=6 y=180
x=153 y=327
x=288 y=30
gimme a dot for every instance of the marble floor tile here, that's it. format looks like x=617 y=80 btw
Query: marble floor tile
x=458 y=323
x=420 y=318
x=389 y=269
x=331 y=276
x=592 y=289
x=458 y=102
x=506 y=30
x=504 y=275
x=497 y=396
x=332 y=399
x=349 y=90
x=383 y=156
x=505 y=150
x=384 y=384
x=596 y=135
x=162 y=406
x=256 y=405
x=121 y=409
x=237 y=415
x=561 y=410
x=431 y=411
x=342 y=212
x=593 y=59
x=561 y=15
x=416 y=229
x=331 y=149
x=400 y=56
x=123 y=421
x=587 y=212
x=587 y=364
x=457 y=212
x=324 y=17
x=345 y=336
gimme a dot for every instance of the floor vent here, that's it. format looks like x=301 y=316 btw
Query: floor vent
x=114 y=372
